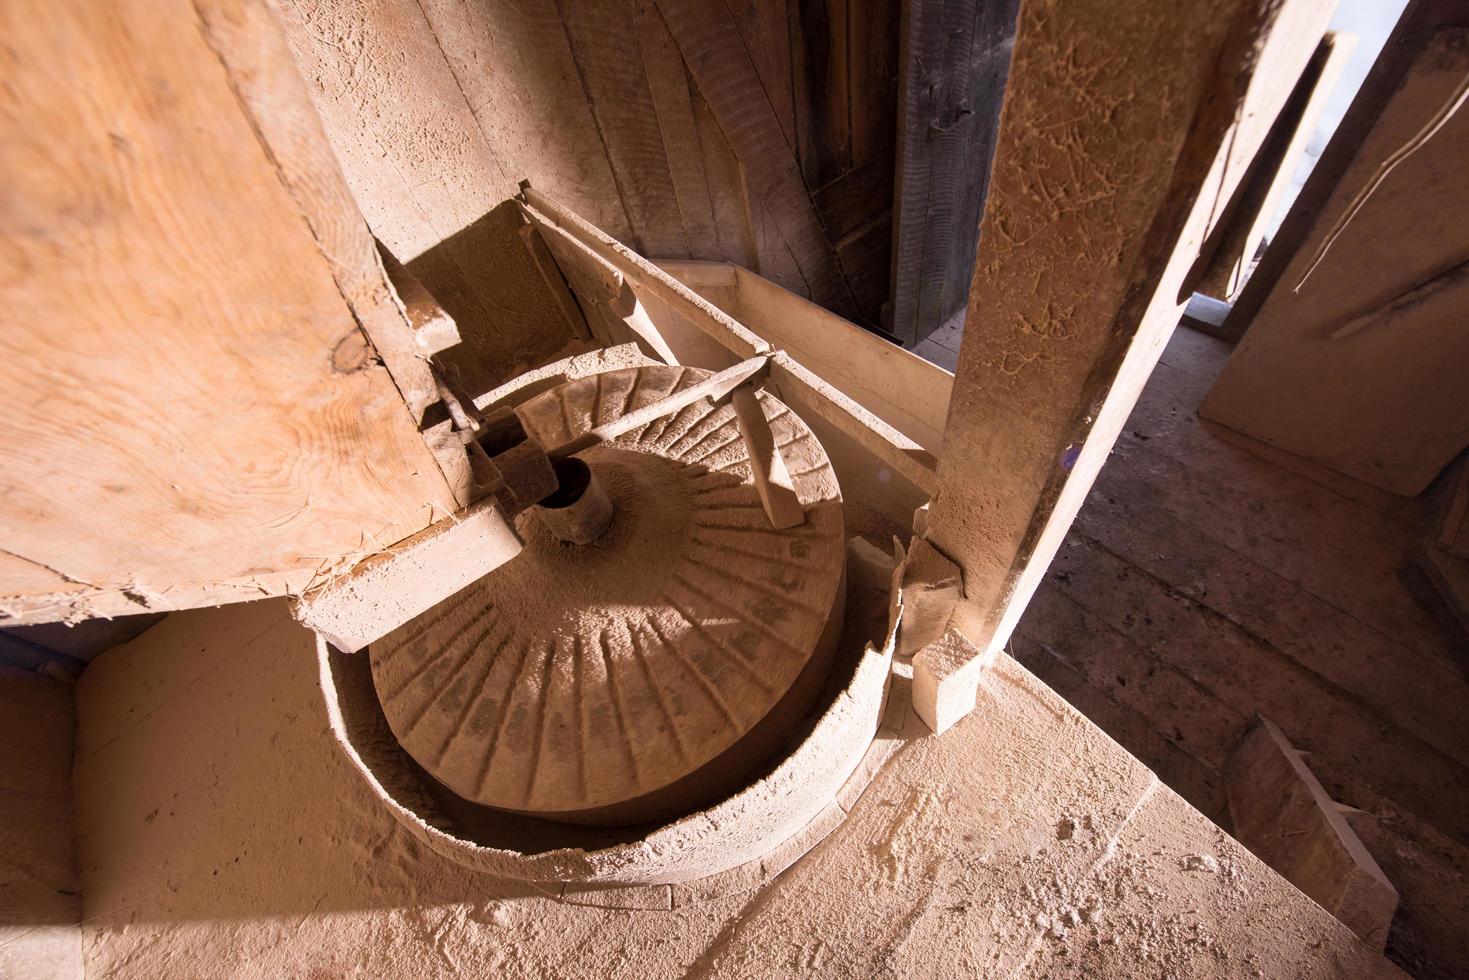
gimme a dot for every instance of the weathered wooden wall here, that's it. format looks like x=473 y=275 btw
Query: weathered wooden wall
x=759 y=133
x=1355 y=353
x=190 y=409
x=956 y=58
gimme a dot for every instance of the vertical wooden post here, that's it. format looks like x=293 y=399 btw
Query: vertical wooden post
x=1125 y=129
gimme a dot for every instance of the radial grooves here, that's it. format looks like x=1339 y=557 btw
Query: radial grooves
x=738 y=461
x=631 y=398
x=577 y=691
x=543 y=705
x=740 y=659
x=471 y=699
x=746 y=528
x=658 y=695
x=710 y=452
x=668 y=421
x=648 y=436
x=700 y=412
x=802 y=437
x=597 y=400
x=663 y=427
x=733 y=611
x=445 y=609
x=570 y=429
x=811 y=469
x=428 y=661
x=727 y=549
x=500 y=722
x=711 y=423
x=762 y=587
x=724 y=505
x=704 y=683
x=617 y=707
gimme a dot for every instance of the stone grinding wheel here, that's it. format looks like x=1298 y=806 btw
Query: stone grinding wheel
x=650 y=671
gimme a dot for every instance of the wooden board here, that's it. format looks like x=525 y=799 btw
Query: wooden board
x=433 y=147
x=1231 y=255
x=1281 y=813
x=955 y=60
x=1357 y=360
x=899 y=387
x=191 y=412
x=1087 y=240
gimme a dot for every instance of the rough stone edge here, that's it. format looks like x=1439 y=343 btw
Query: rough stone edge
x=773 y=814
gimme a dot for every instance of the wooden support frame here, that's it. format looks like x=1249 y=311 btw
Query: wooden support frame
x=1085 y=261
x=799 y=386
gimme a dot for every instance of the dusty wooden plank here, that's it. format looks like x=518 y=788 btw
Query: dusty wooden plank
x=668 y=82
x=1317 y=373
x=711 y=46
x=1186 y=636
x=604 y=42
x=389 y=589
x=1281 y=813
x=954 y=64
x=239 y=430
x=1088 y=238
x=432 y=172
x=1415 y=690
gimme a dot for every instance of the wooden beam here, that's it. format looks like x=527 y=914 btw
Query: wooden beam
x=1280 y=811
x=239 y=437
x=955 y=58
x=1088 y=238
x=799 y=387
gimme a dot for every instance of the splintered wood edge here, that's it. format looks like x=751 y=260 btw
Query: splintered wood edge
x=390 y=588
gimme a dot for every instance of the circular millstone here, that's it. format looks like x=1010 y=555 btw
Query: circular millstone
x=639 y=675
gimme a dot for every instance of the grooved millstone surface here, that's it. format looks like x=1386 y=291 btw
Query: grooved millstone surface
x=577 y=678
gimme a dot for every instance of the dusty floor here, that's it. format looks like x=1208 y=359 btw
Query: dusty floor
x=224 y=834
x=1209 y=578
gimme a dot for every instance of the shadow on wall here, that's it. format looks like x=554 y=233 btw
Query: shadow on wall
x=485 y=277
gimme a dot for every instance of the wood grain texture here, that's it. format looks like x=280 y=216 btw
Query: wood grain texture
x=720 y=62
x=955 y=61
x=245 y=36
x=611 y=63
x=1088 y=237
x=191 y=410
x=432 y=170
x=1360 y=364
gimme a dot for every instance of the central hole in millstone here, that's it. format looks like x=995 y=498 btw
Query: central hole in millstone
x=629 y=565
x=572 y=479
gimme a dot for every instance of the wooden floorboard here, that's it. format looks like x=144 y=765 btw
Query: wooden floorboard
x=1210 y=577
